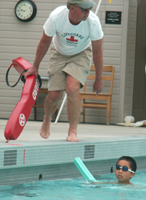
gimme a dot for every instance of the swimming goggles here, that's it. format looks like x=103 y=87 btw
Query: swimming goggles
x=124 y=168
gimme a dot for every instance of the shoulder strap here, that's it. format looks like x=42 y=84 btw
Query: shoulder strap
x=7 y=81
x=20 y=77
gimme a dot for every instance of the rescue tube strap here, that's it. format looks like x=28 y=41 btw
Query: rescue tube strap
x=20 y=77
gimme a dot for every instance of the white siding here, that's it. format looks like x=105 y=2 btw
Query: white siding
x=21 y=39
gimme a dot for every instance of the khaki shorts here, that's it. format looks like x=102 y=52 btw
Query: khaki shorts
x=78 y=66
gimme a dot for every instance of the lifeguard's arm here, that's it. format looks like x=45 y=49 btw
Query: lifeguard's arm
x=40 y=53
x=98 y=62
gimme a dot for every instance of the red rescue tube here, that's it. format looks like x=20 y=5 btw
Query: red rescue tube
x=23 y=108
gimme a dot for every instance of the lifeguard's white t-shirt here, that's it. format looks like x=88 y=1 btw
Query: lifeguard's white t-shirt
x=71 y=39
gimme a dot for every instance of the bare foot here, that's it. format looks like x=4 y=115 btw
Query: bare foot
x=45 y=129
x=72 y=137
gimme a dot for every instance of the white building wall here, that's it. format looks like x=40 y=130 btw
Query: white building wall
x=21 y=39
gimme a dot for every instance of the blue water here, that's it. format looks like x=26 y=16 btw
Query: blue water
x=77 y=189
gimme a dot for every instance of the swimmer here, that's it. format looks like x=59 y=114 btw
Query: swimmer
x=125 y=170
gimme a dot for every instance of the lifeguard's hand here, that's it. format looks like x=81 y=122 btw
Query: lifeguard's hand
x=31 y=71
x=97 y=86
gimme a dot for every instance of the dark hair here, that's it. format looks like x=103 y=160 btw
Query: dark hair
x=132 y=162
x=71 y=4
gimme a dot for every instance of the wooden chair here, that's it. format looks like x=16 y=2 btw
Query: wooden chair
x=102 y=100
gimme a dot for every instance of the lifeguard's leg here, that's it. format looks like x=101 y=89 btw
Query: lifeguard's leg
x=73 y=107
x=50 y=106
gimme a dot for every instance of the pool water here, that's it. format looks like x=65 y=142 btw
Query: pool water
x=77 y=189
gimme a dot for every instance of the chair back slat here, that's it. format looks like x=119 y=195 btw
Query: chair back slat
x=106 y=78
x=91 y=77
x=106 y=68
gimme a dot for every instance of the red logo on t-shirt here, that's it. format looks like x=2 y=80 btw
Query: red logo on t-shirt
x=71 y=39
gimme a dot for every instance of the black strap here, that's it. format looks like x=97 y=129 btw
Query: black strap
x=39 y=79
x=20 y=77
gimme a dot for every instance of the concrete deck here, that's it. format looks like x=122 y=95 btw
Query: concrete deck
x=86 y=132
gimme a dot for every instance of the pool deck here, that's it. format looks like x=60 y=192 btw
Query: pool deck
x=86 y=133
x=97 y=144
